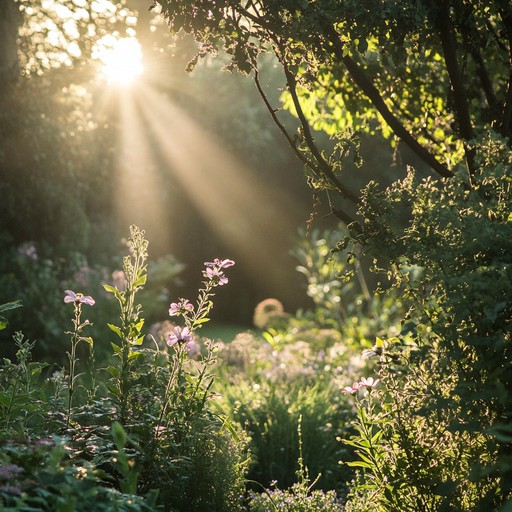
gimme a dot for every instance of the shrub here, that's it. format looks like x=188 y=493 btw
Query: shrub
x=299 y=497
x=442 y=417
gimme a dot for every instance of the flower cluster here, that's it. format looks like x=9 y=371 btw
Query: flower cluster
x=194 y=317
x=364 y=383
x=213 y=271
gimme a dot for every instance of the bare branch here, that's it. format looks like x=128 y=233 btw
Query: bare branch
x=347 y=219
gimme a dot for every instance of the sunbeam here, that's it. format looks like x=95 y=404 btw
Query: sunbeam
x=122 y=60
x=249 y=217
x=139 y=196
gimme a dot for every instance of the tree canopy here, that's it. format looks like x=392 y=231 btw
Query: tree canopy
x=433 y=75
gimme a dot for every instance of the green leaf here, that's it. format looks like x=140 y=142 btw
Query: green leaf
x=114 y=290
x=268 y=337
x=5 y=399
x=376 y=438
x=227 y=424
x=116 y=329
x=117 y=348
x=113 y=371
x=10 y=305
x=201 y=321
x=359 y=464
x=119 y=435
x=141 y=281
x=138 y=341
x=133 y=355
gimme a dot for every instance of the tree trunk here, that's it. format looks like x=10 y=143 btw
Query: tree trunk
x=10 y=19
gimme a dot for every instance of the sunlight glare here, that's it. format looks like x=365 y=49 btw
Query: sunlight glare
x=122 y=61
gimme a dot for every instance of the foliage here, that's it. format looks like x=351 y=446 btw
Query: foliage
x=41 y=474
x=6 y=307
x=136 y=426
x=299 y=497
x=430 y=74
x=52 y=34
x=20 y=401
x=269 y=412
x=406 y=70
x=446 y=374
x=299 y=366
x=73 y=179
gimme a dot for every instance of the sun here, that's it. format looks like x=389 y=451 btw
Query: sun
x=122 y=60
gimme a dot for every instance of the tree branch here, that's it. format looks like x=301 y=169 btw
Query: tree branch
x=374 y=96
x=346 y=218
x=460 y=100
x=469 y=29
x=484 y=78
x=282 y=128
x=506 y=122
x=366 y=85
x=323 y=164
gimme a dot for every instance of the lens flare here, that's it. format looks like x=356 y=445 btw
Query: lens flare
x=122 y=61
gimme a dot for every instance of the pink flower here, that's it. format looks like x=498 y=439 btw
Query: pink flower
x=180 y=335
x=350 y=390
x=368 y=383
x=180 y=307
x=215 y=275
x=71 y=296
x=219 y=263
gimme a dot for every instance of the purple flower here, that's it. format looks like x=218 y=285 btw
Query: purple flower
x=71 y=296
x=193 y=348
x=180 y=336
x=8 y=471
x=350 y=390
x=219 y=263
x=180 y=307
x=215 y=275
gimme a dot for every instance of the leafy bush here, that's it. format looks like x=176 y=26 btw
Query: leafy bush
x=42 y=474
x=269 y=412
x=443 y=418
x=299 y=497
